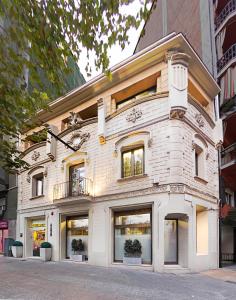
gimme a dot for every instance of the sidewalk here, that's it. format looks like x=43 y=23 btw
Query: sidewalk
x=227 y=274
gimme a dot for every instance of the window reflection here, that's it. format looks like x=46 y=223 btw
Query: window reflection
x=132 y=162
x=133 y=225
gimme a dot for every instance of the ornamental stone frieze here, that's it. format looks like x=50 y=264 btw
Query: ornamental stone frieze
x=200 y=120
x=78 y=138
x=35 y=156
x=134 y=115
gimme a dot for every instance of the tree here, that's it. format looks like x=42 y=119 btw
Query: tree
x=44 y=35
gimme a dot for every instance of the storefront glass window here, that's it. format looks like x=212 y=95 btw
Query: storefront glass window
x=133 y=225
x=77 y=228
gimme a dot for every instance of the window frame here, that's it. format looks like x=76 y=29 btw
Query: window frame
x=132 y=149
x=36 y=178
x=134 y=211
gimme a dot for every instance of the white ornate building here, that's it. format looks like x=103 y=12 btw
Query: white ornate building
x=142 y=163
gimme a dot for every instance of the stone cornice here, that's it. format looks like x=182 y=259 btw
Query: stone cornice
x=201 y=110
x=199 y=131
x=79 y=126
x=33 y=147
x=175 y=188
x=138 y=127
x=136 y=102
x=40 y=163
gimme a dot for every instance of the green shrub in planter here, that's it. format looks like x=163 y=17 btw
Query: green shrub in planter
x=17 y=244
x=80 y=245
x=46 y=245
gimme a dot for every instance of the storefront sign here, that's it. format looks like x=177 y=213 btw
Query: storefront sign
x=3 y=224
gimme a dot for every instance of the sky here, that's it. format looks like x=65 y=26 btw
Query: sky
x=115 y=53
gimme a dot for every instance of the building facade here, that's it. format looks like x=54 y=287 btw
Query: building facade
x=134 y=158
x=225 y=35
x=8 y=205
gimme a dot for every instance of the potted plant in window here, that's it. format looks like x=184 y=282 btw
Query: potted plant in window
x=78 y=248
x=132 y=252
x=46 y=251
x=17 y=249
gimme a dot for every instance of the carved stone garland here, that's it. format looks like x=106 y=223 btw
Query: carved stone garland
x=78 y=138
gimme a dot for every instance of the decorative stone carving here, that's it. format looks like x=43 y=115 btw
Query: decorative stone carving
x=28 y=178
x=150 y=141
x=74 y=119
x=193 y=145
x=134 y=115
x=200 y=120
x=35 y=155
x=45 y=173
x=115 y=153
x=177 y=113
x=78 y=138
x=176 y=188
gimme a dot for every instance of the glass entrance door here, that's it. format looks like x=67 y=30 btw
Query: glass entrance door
x=38 y=230
x=171 y=241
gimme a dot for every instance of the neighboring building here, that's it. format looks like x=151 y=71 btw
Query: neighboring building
x=194 y=19
x=145 y=165
x=225 y=33
x=8 y=204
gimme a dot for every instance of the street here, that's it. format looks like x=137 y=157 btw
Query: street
x=33 y=279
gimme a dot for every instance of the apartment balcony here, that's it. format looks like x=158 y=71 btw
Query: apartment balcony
x=69 y=192
x=226 y=60
x=228 y=156
x=226 y=13
x=228 y=166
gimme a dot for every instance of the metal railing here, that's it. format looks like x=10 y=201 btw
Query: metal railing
x=228 y=155
x=229 y=54
x=74 y=188
x=226 y=11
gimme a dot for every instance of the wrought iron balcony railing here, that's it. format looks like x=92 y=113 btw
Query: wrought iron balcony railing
x=226 y=58
x=79 y=187
x=228 y=155
x=229 y=8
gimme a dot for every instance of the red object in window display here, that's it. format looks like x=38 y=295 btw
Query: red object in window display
x=224 y=211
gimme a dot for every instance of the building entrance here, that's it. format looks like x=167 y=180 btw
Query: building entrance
x=38 y=230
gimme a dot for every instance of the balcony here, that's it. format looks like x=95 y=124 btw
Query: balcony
x=228 y=156
x=228 y=10
x=229 y=55
x=73 y=191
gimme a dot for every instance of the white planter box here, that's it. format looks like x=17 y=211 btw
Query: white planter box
x=46 y=254
x=17 y=251
x=132 y=260
x=78 y=257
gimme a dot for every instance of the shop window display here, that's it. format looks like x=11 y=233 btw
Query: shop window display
x=133 y=225
x=77 y=228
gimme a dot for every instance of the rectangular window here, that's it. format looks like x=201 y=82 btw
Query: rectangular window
x=133 y=162
x=37 y=185
x=135 y=224
x=196 y=163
